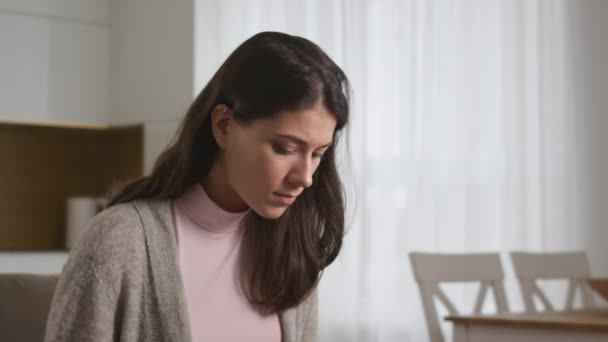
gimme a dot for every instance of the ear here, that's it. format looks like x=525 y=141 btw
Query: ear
x=221 y=122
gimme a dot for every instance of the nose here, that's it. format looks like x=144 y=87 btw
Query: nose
x=301 y=174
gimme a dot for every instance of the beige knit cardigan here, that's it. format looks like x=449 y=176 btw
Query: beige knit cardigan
x=122 y=283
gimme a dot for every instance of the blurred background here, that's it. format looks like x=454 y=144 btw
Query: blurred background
x=477 y=125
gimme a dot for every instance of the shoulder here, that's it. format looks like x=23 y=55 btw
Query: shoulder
x=113 y=228
x=110 y=239
x=109 y=257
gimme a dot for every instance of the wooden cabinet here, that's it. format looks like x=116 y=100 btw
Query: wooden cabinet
x=41 y=166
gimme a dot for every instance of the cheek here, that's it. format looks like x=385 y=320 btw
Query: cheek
x=256 y=171
x=274 y=169
x=241 y=167
x=271 y=169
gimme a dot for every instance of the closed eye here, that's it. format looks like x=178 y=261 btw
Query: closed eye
x=317 y=155
x=281 y=150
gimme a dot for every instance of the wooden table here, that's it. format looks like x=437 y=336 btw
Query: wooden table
x=562 y=326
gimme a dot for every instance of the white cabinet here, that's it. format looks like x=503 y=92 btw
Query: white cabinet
x=24 y=67
x=152 y=60
x=79 y=72
x=43 y=262
x=89 y=10
x=55 y=60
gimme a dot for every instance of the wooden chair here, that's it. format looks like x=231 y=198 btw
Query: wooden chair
x=431 y=269
x=572 y=266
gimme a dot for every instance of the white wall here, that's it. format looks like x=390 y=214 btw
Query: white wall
x=590 y=62
x=55 y=60
x=152 y=67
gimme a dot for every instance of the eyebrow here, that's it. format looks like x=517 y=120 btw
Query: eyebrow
x=299 y=141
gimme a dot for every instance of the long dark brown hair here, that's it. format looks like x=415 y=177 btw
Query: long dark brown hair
x=281 y=259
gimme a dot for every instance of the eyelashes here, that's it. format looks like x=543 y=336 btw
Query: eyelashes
x=279 y=149
x=282 y=150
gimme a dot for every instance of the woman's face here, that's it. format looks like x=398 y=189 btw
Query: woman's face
x=266 y=164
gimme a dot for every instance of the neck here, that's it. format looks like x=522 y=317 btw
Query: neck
x=220 y=191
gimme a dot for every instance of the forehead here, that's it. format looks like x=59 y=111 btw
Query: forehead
x=314 y=125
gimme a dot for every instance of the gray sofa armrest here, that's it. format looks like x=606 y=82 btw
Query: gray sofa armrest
x=25 y=300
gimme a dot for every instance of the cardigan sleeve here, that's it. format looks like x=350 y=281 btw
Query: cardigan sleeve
x=310 y=323
x=87 y=303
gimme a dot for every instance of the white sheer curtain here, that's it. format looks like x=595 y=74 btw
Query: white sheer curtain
x=462 y=138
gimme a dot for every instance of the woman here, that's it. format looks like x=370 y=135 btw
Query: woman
x=227 y=238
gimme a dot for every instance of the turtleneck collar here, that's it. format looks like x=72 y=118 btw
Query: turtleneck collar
x=207 y=214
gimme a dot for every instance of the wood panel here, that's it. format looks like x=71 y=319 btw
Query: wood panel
x=588 y=320
x=40 y=167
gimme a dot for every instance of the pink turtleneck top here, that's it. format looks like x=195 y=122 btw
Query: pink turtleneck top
x=208 y=243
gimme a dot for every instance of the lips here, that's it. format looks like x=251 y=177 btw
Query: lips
x=285 y=199
x=285 y=195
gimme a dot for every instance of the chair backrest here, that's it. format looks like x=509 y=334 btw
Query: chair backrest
x=25 y=301
x=431 y=269
x=572 y=266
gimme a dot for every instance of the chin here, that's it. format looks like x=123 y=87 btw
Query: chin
x=271 y=213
